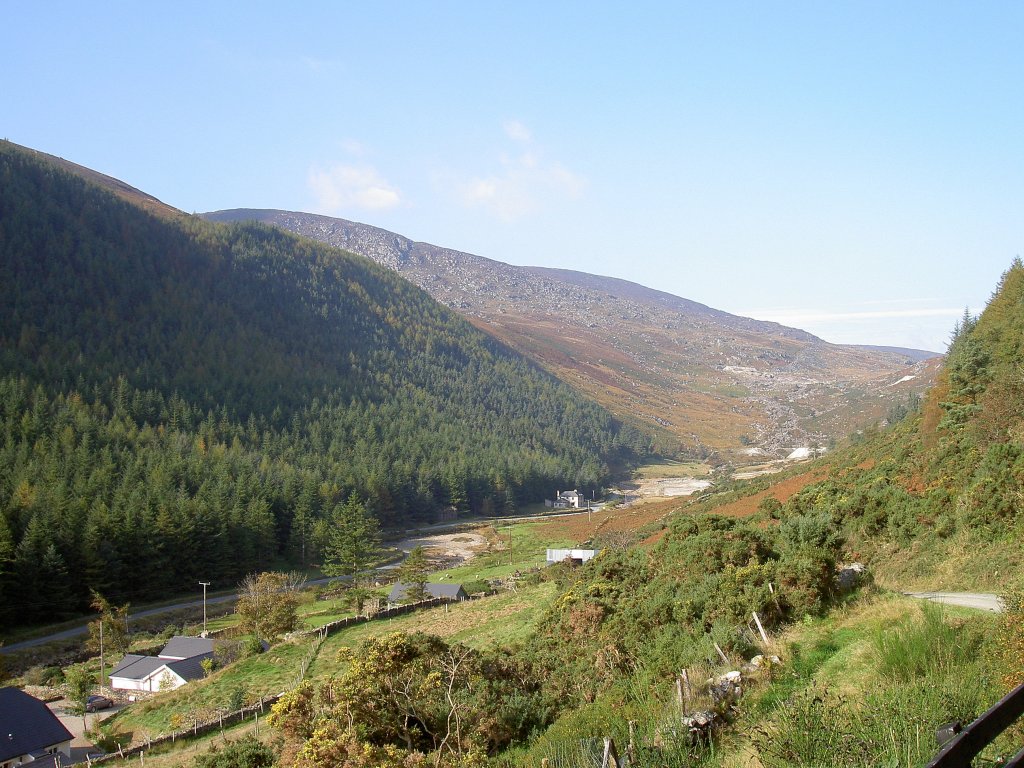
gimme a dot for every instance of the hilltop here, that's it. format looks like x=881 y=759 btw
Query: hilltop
x=706 y=379
x=183 y=400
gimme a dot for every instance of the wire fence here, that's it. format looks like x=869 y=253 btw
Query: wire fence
x=255 y=711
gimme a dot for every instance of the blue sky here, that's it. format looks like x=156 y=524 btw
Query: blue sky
x=854 y=169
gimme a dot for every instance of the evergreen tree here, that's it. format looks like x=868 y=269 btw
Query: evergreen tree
x=414 y=573
x=353 y=541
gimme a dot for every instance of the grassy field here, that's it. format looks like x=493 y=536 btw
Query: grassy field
x=673 y=469
x=514 y=547
x=184 y=752
x=501 y=619
x=248 y=679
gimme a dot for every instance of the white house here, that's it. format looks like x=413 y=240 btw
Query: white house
x=578 y=556
x=568 y=500
x=29 y=731
x=180 y=661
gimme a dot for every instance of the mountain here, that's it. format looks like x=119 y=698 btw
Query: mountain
x=183 y=400
x=916 y=355
x=932 y=503
x=705 y=379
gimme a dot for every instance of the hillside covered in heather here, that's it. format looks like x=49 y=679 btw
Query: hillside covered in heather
x=705 y=380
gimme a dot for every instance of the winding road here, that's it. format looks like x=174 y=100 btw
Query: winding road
x=81 y=630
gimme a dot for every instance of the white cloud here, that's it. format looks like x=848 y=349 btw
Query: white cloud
x=525 y=182
x=516 y=131
x=349 y=186
x=318 y=65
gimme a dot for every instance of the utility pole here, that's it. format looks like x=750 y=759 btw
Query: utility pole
x=510 y=561
x=101 y=650
x=205 y=585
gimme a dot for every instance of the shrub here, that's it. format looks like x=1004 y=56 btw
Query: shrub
x=40 y=675
x=770 y=506
x=237 y=699
x=244 y=753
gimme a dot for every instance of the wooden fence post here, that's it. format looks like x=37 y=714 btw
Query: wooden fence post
x=611 y=757
x=721 y=653
x=760 y=628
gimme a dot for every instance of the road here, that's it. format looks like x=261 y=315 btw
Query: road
x=983 y=601
x=67 y=634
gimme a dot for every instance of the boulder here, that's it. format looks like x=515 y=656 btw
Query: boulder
x=700 y=724
x=850 y=576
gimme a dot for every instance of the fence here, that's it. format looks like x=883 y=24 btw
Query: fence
x=239 y=716
x=963 y=748
x=197 y=729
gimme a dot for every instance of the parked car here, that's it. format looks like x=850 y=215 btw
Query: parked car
x=95 y=703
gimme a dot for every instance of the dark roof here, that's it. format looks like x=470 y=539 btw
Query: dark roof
x=135 y=667
x=48 y=760
x=191 y=668
x=27 y=725
x=181 y=647
x=454 y=591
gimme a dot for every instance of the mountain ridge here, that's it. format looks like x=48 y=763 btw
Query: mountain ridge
x=709 y=379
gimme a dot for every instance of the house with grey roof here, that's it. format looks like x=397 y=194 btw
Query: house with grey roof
x=180 y=661
x=182 y=647
x=433 y=589
x=29 y=731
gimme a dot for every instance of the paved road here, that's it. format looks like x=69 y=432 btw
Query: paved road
x=76 y=631
x=983 y=601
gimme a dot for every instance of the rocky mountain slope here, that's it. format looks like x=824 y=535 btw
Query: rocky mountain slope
x=705 y=378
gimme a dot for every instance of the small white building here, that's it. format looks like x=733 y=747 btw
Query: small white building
x=567 y=500
x=578 y=556
x=180 y=661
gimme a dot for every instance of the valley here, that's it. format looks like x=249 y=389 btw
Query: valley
x=335 y=401
x=708 y=381
x=540 y=385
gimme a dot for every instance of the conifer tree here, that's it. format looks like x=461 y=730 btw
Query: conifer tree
x=353 y=540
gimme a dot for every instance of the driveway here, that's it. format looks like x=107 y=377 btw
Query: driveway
x=983 y=601
x=80 y=746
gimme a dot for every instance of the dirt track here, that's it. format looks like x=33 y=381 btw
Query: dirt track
x=451 y=548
